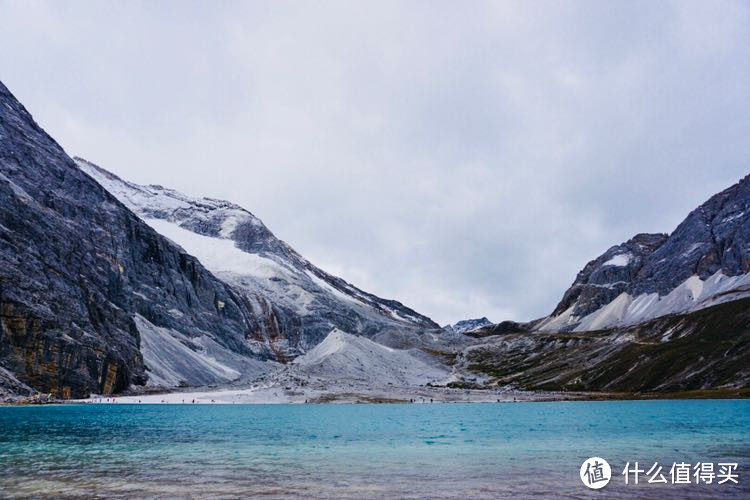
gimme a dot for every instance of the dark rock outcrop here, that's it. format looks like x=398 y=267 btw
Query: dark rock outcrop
x=502 y=328
x=714 y=237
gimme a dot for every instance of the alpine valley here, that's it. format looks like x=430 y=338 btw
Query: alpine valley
x=113 y=288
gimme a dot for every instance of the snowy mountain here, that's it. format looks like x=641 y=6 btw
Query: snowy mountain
x=87 y=288
x=468 y=325
x=704 y=262
x=95 y=300
x=307 y=303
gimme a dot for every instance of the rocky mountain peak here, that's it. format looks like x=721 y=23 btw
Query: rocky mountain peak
x=711 y=244
x=468 y=325
x=605 y=277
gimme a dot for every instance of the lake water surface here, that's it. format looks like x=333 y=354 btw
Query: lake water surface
x=365 y=451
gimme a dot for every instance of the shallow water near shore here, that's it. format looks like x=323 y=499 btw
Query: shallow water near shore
x=363 y=451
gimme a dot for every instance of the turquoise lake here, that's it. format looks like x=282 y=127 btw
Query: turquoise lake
x=365 y=451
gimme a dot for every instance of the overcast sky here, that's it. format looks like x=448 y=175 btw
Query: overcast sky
x=465 y=158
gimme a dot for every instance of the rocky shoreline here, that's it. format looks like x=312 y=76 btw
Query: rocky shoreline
x=280 y=395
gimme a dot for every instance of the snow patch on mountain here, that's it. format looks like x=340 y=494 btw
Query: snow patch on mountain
x=218 y=255
x=691 y=295
x=157 y=202
x=619 y=260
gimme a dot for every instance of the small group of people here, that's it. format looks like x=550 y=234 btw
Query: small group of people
x=105 y=400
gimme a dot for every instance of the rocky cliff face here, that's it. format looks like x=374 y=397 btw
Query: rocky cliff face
x=705 y=261
x=610 y=274
x=82 y=277
x=714 y=238
x=308 y=303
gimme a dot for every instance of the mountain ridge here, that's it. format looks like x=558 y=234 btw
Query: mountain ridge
x=235 y=245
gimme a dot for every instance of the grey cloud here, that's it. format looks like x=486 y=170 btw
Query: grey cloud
x=466 y=160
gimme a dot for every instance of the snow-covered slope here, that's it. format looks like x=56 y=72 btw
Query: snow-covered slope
x=345 y=357
x=173 y=359
x=691 y=295
x=704 y=262
x=307 y=303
